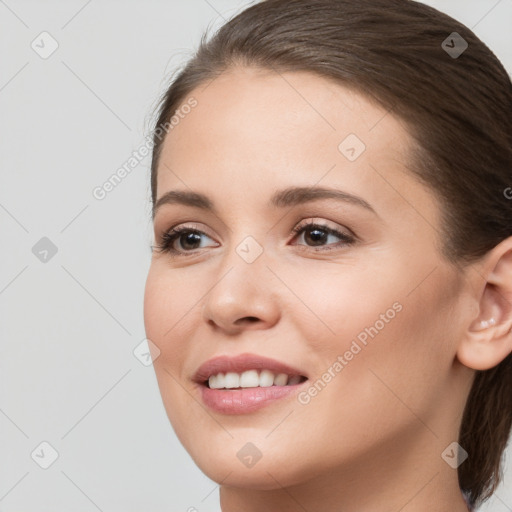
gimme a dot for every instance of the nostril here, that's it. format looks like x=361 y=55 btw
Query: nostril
x=249 y=319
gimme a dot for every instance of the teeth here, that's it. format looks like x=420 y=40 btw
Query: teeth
x=281 y=379
x=294 y=380
x=266 y=379
x=232 y=380
x=251 y=379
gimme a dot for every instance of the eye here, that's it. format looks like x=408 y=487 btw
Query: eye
x=188 y=237
x=318 y=234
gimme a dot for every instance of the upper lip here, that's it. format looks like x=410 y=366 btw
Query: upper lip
x=241 y=363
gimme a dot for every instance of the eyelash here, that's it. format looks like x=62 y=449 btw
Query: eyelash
x=169 y=237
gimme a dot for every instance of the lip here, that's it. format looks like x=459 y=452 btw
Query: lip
x=244 y=400
x=241 y=363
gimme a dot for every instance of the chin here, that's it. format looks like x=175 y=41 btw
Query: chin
x=271 y=471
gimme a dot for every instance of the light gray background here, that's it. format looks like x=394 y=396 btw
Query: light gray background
x=69 y=326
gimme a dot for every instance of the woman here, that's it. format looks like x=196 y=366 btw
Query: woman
x=331 y=289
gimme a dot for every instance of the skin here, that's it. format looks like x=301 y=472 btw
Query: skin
x=372 y=439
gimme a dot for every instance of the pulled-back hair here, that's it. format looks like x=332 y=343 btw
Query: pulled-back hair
x=457 y=108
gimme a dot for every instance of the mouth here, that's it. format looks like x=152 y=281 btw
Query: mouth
x=246 y=382
x=252 y=379
x=247 y=370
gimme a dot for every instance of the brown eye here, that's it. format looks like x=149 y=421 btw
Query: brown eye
x=317 y=235
x=188 y=238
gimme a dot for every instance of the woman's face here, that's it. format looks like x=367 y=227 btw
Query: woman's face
x=362 y=303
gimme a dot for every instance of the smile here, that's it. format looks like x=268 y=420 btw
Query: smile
x=252 y=379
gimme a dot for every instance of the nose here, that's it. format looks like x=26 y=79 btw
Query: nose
x=244 y=296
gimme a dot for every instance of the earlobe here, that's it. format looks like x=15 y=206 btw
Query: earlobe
x=488 y=337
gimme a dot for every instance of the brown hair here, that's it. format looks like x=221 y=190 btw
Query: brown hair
x=457 y=109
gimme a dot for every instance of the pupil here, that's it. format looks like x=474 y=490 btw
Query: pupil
x=316 y=237
x=189 y=237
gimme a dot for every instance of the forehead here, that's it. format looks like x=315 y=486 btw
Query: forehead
x=253 y=131
x=257 y=105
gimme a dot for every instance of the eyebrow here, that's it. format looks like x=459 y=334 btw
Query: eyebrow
x=288 y=197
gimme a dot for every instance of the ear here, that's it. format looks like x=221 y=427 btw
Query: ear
x=487 y=340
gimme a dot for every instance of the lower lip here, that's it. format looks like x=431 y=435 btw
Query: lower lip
x=245 y=400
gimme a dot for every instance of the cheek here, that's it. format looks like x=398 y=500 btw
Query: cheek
x=168 y=305
x=168 y=310
x=376 y=346
x=391 y=314
x=338 y=304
